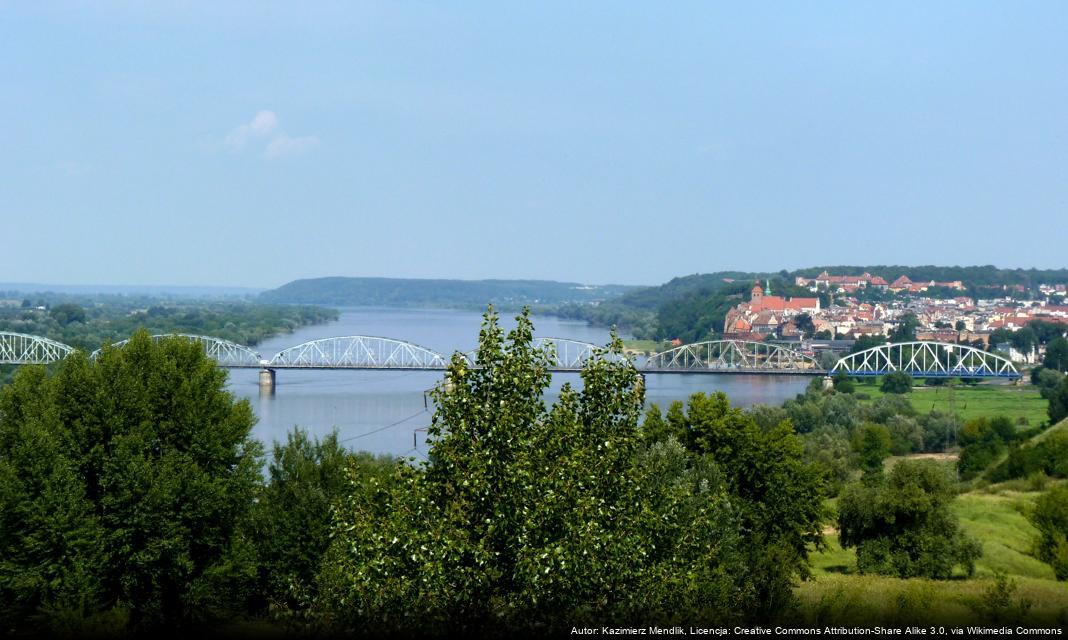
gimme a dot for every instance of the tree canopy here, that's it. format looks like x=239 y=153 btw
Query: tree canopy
x=123 y=482
x=901 y=524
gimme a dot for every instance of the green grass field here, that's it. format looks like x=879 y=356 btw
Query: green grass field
x=837 y=594
x=973 y=402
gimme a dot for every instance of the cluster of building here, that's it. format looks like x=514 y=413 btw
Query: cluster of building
x=851 y=284
x=957 y=319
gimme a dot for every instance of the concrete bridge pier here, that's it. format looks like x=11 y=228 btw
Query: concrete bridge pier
x=266 y=380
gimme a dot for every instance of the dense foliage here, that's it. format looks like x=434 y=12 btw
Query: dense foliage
x=901 y=524
x=289 y=527
x=984 y=441
x=123 y=483
x=896 y=382
x=1047 y=455
x=529 y=515
x=1050 y=517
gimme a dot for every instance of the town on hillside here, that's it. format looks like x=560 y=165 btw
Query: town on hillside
x=988 y=323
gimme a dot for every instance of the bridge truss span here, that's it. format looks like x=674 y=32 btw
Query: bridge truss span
x=927 y=360
x=225 y=353
x=357 y=352
x=572 y=355
x=731 y=356
x=21 y=348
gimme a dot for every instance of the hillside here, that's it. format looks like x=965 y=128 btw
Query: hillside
x=403 y=292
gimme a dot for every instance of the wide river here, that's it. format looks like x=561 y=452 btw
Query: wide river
x=386 y=412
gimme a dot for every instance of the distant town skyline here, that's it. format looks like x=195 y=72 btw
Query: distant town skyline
x=247 y=144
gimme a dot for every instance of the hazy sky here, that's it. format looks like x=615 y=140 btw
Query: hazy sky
x=254 y=143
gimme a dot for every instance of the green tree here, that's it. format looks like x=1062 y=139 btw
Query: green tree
x=843 y=383
x=65 y=314
x=290 y=523
x=803 y=322
x=902 y=525
x=905 y=331
x=872 y=444
x=780 y=493
x=122 y=483
x=896 y=382
x=1050 y=517
x=1057 y=355
x=527 y=514
x=1058 y=401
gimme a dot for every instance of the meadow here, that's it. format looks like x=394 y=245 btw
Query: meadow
x=996 y=515
x=972 y=401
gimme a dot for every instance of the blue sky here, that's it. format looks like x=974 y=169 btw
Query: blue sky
x=249 y=144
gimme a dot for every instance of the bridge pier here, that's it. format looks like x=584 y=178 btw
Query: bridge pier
x=267 y=380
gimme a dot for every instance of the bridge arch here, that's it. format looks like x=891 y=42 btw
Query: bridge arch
x=224 y=352
x=358 y=352
x=731 y=355
x=572 y=354
x=22 y=348
x=927 y=360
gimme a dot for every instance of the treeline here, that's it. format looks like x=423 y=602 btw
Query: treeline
x=970 y=277
x=90 y=322
x=411 y=292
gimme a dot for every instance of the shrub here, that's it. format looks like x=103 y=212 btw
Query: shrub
x=901 y=525
x=1050 y=517
x=896 y=382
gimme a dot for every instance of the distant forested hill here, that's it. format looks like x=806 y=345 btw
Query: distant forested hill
x=403 y=292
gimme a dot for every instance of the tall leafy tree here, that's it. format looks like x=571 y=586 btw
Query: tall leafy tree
x=122 y=483
x=901 y=524
x=290 y=523
x=1057 y=355
x=1050 y=517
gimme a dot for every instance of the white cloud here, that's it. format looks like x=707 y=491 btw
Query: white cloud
x=263 y=124
x=283 y=145
x=264 y=128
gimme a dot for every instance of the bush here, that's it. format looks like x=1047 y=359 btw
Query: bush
x=896 y=382
x=843 y=383
x=902 y=525
x=1058 y=401
x=1048 y=456
x=1050 y=517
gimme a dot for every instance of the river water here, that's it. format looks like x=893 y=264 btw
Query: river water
x=387 y=412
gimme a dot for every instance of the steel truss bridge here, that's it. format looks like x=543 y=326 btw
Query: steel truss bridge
x=927 y=360
x=732 y=356
x=918 y=359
